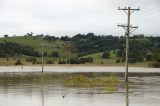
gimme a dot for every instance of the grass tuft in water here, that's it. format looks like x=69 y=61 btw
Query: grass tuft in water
x=109 y=83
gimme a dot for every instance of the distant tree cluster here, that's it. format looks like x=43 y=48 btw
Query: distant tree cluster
x=50 y=38
x=76 y=60
x=29 y=34
x=65 y=38
x=90 y=43
x=13 y=49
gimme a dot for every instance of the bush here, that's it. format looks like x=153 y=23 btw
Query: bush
x=86 y=60
x=154 y=64
x=105 y=55
x=33 y=60
x=123 y=59
x=73 y=61
x=18 y=62
x=45 y=54
x=55 y=54
x=118 y=61
x=50 y=62
x=80 y=60
x=38 y=62
x=148 y=57
x=62 y=61
x=132 y=60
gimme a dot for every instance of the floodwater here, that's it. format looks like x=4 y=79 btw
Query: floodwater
x=141 y=91
x=75 y=69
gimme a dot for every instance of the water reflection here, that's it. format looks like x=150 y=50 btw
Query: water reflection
x=127 y=96
x=63 y=96
x=41 y=92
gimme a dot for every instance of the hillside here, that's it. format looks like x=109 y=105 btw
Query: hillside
x=37 y=42
x=79 y=49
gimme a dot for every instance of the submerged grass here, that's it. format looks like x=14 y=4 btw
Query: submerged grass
x=104 y=83
x=100 y=81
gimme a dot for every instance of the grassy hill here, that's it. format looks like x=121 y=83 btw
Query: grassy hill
x=37 y=42
x=81 y=46
x=58 y=45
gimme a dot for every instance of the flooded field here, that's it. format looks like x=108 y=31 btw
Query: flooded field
x=49 y=89
x=70 y=69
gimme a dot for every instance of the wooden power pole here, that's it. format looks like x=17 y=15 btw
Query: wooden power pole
x=42 y=58
x=128 y=28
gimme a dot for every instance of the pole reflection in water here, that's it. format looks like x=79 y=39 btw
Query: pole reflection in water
x=42 y=89
x=127 y=96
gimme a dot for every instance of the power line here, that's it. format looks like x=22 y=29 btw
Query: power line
x=141 y=18
x=147 y=16
x=152 y=19
x=149 y=10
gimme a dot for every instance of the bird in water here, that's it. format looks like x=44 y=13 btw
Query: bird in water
x=63 y=96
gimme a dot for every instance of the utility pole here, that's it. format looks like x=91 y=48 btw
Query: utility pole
x=69 y=58
x=128 y=30
x=42 y=58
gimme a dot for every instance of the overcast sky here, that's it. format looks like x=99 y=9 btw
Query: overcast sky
x=69 y=17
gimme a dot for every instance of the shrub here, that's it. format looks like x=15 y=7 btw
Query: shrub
x=148 y=57
x=105 y=55
x=50 y=62
x=73 y=61
x=132 y=60
x=118 y=61
x=18 y=62
x=54 y=54
x=62 y=61
x=86 y=60
x=154 y=65
x=33 y=60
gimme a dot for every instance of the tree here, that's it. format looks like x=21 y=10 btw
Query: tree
x=6 y=36
x=54 y=54
x=29 y=34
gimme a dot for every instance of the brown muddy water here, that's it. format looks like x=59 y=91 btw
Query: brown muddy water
x=35 y=89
